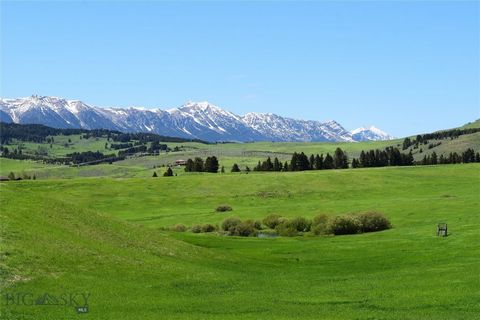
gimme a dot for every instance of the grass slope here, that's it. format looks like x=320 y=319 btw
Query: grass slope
x=94 y=235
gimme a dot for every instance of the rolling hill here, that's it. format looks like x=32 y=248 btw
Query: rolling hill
x=100 y=237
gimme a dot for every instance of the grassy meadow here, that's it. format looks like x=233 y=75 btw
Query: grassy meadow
x=104 y=237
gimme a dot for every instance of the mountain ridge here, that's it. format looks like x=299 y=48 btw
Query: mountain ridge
x=197 y=120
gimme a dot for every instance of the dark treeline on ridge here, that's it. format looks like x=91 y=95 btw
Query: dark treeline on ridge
x=393 y=157
x=441 y=135
x=38 y=133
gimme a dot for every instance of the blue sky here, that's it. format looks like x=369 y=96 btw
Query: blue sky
x=406 y=67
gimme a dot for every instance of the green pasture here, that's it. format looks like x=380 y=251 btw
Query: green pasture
x=102 y=237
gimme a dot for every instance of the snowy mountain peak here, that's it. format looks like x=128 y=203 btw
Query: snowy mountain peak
x=199 y=120
x=370 y=133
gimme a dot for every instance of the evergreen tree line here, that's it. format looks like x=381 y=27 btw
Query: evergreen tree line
x=123 y=145
x=423 y=138
x=382 y=158
x=198 y=165
x=468 y=156
x=89 y=156
x=38 y=133
x=301 y=162
x=143 y=137
x=393 y=157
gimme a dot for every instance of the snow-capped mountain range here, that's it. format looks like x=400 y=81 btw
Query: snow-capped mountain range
x=199 y=120
x=370 y=134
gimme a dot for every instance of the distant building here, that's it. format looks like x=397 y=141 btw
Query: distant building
x=180 y=162
x=2 y=178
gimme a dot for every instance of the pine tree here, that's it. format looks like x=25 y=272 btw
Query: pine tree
x=406 y=143
x=304 y=164
x=424 y=160
x=363 y=159
x=285 y=166
x=434 y=159
x=441 y=159
x=267 y=165
x=409 y=159
x=340 y=159
x=312 y=162
x=247 y=169
x=223 y=169
x=328 y=162
x=168 y=173
x=355 y=163
x=235 y=168
x=189 y=166
x=211 y=164
x=468 y=156
x=294 y=162
x=277 y=166
x=198 y=165
x=154 y=174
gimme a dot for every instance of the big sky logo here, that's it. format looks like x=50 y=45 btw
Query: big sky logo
x=71 y=299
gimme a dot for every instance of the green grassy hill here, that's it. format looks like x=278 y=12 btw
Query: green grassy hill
x=473 y=124
x=101 y=236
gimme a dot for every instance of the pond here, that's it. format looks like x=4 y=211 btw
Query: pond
x=267 y=235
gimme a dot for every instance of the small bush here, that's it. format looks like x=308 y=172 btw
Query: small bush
x=320 y=219
x=321 y=229
x=208 y=227
x=320 y=224
x=179 y=228
x=347 y=224
x=196 y=228
x=286 y=229
x=272 y=220
x=244 y=229
x=301 y=224
x=255 y=223
x=373 y=221
x=230 y=222
x=223 y=208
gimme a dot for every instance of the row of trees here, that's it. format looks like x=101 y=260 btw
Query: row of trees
x=301 y=162
x=468 y=156
x=89 y=156
x=393 y=157
x=381 y=158
x=198 y=165
x=446 y=134
x=38 y=133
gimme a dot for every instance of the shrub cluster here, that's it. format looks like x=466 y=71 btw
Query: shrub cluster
x=197 y=228
x=233 y=226
x=223 y=208
x=321 y=224
x=272 y=220
x=359 y=223
x=179 y=228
